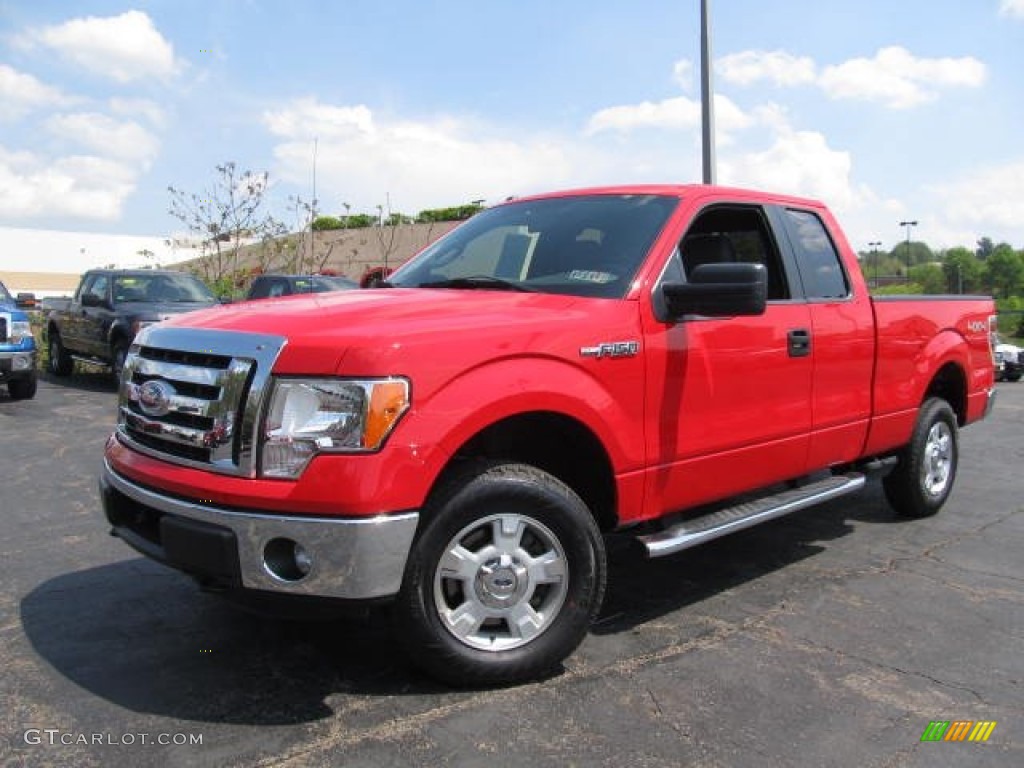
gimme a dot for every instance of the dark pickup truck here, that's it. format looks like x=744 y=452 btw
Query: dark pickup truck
x=96 y=326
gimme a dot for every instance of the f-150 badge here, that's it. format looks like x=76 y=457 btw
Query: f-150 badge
x=612 y=349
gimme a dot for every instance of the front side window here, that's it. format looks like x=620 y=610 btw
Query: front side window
x=737 y=234
x=587 y=245
x=96 y=287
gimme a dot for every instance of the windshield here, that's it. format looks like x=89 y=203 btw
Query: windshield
x=4 y=295
x=161 y=289
x=586 y=245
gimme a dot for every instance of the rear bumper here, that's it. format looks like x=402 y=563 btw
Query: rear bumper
x=991 y=402
x=348 y=558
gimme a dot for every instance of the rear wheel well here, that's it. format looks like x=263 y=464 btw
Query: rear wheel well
x=556 y=444
x=950 y=385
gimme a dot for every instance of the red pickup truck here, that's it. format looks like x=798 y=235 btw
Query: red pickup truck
x=670 y=363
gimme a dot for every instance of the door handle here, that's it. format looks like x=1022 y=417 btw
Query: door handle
x=799 y=342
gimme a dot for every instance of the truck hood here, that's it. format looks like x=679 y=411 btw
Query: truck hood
x=9 y=308
x=162 y=310
x=374 y=328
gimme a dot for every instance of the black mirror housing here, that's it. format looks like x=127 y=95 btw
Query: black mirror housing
x=719 y=290
x=92 y=300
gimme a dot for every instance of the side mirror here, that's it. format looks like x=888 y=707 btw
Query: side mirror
x=92 y=300
x=719 y=290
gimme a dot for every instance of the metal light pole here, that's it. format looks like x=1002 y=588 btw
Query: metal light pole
x=874 y=257
x=707 y=95
x=908 y=225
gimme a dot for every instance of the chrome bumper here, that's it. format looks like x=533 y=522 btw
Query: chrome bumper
x=19 y=362
x=990 y=404
x=348 y=558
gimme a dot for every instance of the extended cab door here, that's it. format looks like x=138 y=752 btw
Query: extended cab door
x=94 y=311
x=729 y=399
x=842 y=333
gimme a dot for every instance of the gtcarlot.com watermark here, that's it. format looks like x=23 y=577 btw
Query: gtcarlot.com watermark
x=54 y=737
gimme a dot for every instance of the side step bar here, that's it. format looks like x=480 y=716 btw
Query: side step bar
x=92 y=362
x=698 y=530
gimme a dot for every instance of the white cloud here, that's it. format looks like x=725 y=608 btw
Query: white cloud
x=21 y=93
x=682 y=74
x=989 y=202
x=144 y=108
x=778 y=67
x=799 y=163
x=80 y=185
x=1014 y=8
x=124 y=140
x=123 y=48
x=308 y=118
x=894 y=76
x=678 y=113
x=362 y=158
x=899 y=79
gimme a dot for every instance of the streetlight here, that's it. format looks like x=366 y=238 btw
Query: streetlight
x=874 y=257
x=908 y=225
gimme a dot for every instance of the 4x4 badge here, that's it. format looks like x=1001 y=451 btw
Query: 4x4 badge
x=612 y=349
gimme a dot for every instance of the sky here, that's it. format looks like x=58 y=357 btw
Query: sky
x=887 y=111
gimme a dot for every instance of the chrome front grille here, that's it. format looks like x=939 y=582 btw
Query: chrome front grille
x=193 y=396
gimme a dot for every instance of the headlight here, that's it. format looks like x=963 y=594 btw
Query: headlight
x=310 y=416
x=20 y=330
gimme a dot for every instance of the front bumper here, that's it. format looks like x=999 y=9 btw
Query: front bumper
x=348 y=558
x=17 y=365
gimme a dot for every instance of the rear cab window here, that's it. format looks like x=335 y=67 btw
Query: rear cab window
x=821 y=269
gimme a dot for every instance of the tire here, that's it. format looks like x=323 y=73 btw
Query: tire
x=60 y=362
x=1012 y=377
x=924 y=476
x=118 y=353
x=22 y=389
x=503 y=580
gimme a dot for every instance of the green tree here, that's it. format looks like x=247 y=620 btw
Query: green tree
x=1005 y=271
x=930 y=277
x=900 y=289
x=985 y=248
x=920 y=253
x=964 y=273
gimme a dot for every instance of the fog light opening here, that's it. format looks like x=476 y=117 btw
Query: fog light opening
x=287 y=560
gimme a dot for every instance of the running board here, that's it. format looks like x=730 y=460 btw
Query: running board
x=92 y=362
x=698 y=530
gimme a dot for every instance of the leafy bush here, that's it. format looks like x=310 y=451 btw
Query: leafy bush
x=455 y=213
x=321 y=223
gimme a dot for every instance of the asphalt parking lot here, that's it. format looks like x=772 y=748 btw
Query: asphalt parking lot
x=833 y=637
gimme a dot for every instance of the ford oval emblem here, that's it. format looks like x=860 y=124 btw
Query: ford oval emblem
x=155 y=397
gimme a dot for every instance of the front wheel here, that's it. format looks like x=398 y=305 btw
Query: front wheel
x=504 y=579
x=923 y=479
x=60 y=362
x=22 y=389
x=118 y=354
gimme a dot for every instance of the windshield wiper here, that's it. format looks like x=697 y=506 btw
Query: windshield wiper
x=477 y=281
